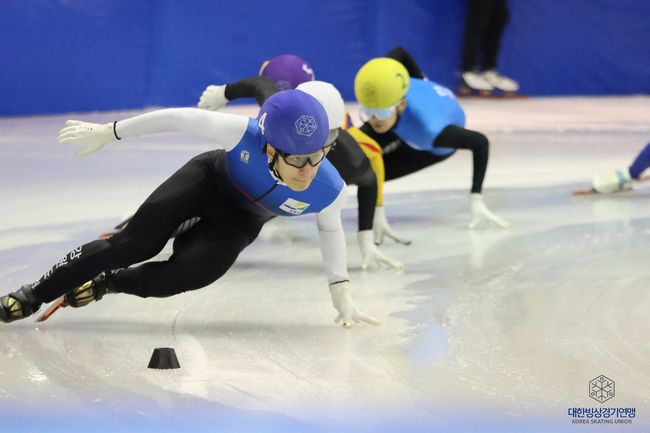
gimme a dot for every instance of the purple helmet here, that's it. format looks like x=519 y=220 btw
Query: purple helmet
x=287 y=71
x=293 y=122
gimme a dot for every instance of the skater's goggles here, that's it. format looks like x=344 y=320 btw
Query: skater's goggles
x=299 y=161
x=379 y=113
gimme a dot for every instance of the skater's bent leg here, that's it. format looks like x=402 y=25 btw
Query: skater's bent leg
x=74 y=269
x=406 y=160
x=180 y=197
x=201 y=256
x=641 y=162
x=460 y=138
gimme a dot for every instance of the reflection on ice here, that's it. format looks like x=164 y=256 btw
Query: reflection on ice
x=486 y=330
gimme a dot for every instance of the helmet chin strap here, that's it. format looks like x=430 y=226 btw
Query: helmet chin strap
x=272 y=168
x=399 y=116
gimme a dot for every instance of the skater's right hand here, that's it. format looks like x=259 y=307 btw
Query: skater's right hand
x=213 y=98
x=371 y=255
x=381 y=228
x=346 y=307
x=93 y=136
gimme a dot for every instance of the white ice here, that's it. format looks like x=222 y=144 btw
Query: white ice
x=486 y=330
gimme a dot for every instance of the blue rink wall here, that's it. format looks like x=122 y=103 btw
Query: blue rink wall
x=86 y=55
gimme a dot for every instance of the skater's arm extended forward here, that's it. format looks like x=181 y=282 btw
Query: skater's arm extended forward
x=215 y=97
x=225 y=129
x=257 y=87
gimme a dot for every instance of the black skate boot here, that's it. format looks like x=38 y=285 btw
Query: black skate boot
x=19 y=304
x=93 y=290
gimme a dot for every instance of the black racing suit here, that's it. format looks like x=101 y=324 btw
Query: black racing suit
x=202 y=254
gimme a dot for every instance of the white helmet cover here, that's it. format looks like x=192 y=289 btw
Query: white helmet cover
x=330 y=99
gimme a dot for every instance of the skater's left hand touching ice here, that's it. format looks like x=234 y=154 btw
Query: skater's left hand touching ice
x=93 y=136
x=382 y=229
x=347 y=309
x=481 y=212
x=372 y=255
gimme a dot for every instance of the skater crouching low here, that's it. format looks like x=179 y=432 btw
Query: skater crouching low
x=268 y=166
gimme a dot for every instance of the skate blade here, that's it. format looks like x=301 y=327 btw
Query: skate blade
x=107 y=235
x=59 y=303
x=510 y=95
x=464 y=91
x=584 y=192
x=467 y=92
x=593 y=191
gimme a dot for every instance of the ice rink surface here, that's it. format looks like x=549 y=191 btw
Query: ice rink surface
x=488 y=330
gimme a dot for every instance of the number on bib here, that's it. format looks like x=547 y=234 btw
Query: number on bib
x=443 y=91
x=260 y=123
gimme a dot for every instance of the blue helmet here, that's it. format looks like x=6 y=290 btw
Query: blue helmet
x=293 y=122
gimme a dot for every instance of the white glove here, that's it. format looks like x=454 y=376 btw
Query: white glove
x=93 y=136
x=370 y=254
x=213 y=98
x=481 y=212
x=381 y=228
x=614 y=181
x=346 y=307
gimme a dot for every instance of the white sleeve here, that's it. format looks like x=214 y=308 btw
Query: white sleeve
x=225 y=129
x=332 y=239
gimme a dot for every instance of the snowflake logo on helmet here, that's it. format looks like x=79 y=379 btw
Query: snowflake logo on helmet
x=306 y=125
x=283 y=85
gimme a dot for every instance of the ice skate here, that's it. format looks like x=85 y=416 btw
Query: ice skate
x=19 y=304
x=474 y=84
x=613 y=182
x=93 y=290
x=505 y=86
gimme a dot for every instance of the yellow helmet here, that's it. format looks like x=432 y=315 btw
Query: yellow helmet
x=381 y=83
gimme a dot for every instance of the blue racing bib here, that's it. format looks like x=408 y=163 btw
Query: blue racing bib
x=430 y=108
x=256 y=189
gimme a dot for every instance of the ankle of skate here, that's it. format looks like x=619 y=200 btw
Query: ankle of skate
x=19 y=304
